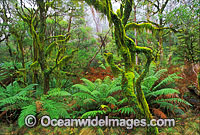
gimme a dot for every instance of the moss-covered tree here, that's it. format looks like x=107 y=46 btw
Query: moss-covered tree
x=128 y=50
x=36 y=20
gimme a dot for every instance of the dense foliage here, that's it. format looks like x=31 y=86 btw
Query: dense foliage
x=115 y=58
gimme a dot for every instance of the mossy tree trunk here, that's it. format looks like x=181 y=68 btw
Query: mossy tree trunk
x=128 y=50
x=36 y=20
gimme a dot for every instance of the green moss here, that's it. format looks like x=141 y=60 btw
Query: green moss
x=115 y=69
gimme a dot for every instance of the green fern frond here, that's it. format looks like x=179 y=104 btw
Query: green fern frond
x=127 y=110
x=149 y=81
x=124 y=100
x=164 y=91
x=171 y=78
x=152 y=69
x=111 y=100
x=112 y=90
x=28 y=110
x=165 y=105
x=178 y=111
x=83 y=95
x=145 y=89
x=90 y=85
x=114 y=83
x=13 y=100
x=59 y=94
x=55 y=109
x=107 y=80
x=92 y=113
x=175 y=100
x=159 y=73
x=102 y=87
x=88 y=101
x=96 y=93
x=82 y=88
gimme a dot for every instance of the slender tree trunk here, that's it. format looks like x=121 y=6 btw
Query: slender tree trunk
x=42 y=58
x=136 y=42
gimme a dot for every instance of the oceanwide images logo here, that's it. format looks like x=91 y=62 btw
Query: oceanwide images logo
x=46 y=121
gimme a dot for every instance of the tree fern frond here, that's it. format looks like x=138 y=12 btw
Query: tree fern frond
x=57 y=93
x=149 y=81
x=93 y=113
x=145 y=89
x=13 y=100
x=124 y=100
x=175 y=100
x=53 y=108
x=89 y=101
x=165 y=105
x=82 y=88
x=96 y=93
x=114 y=83
x=28 y=110
x=102 y=87
x=179 y=111
x=152 y=69
x=107 y=80
x=83 y=95
x=159 y=73
x=29 y=87
x=112 y=90
x=171 y=78
x=111 y=100
x=91 y=86
x=164 y=91
x=126 y=110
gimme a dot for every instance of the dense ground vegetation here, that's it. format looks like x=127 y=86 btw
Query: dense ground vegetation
x=87 y=58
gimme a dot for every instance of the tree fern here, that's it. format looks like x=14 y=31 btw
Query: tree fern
x=152 y=92
x=100 y=94
x=14 y=94
x=55 y=109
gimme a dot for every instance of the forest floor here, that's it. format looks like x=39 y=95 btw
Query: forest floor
x=188 y=124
